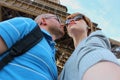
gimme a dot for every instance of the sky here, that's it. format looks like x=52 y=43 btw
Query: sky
x=106 y=13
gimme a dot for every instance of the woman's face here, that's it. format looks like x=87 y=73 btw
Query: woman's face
x=76 y=26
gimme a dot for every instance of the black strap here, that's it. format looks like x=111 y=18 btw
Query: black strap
x=23 y=45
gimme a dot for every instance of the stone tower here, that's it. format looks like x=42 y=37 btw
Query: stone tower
x=31 y=8
x=56 y=1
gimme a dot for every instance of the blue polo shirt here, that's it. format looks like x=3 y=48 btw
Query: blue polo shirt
x=36 y=64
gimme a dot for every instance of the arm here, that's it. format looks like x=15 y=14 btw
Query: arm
x=14 y=29
x=100 y=62
x=103 y=71
x=3 y=46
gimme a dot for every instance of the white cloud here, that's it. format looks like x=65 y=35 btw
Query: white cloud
x=97 y=11
x=68 y=2
x=73 y=5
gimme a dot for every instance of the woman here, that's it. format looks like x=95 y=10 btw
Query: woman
x=92 y=58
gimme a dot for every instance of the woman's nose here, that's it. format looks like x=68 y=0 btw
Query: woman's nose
x=72 y=22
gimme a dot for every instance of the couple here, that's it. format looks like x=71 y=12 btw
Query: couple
x=91 y=59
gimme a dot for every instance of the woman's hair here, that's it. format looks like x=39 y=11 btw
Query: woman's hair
x=91 y=26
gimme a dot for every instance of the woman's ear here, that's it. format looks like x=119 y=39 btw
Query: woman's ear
x=89 y=31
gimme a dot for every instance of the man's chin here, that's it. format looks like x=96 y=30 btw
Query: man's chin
x=60 y=36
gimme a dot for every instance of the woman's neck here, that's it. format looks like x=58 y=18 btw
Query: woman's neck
x=78 y=38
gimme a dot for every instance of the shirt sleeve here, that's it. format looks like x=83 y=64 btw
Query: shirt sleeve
x=96 y=48
x=14 y=29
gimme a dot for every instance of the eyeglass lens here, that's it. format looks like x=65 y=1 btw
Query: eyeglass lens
x=77 y=18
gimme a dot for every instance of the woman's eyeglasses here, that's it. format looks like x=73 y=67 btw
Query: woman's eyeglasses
x=76 y=18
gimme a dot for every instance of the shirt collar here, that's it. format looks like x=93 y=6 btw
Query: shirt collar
x=47 y=34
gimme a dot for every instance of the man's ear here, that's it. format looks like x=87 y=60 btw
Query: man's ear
x=43 y=21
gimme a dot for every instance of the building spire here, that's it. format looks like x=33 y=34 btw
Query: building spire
x=56 y=1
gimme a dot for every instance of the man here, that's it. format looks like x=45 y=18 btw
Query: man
x=39 y=62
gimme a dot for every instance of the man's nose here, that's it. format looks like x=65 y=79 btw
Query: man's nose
x=62 y=25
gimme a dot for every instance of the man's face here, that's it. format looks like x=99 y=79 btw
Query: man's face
x=54 y=26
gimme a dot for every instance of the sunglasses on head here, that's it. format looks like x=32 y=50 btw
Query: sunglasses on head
x=55 y=17
x=76 y=18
